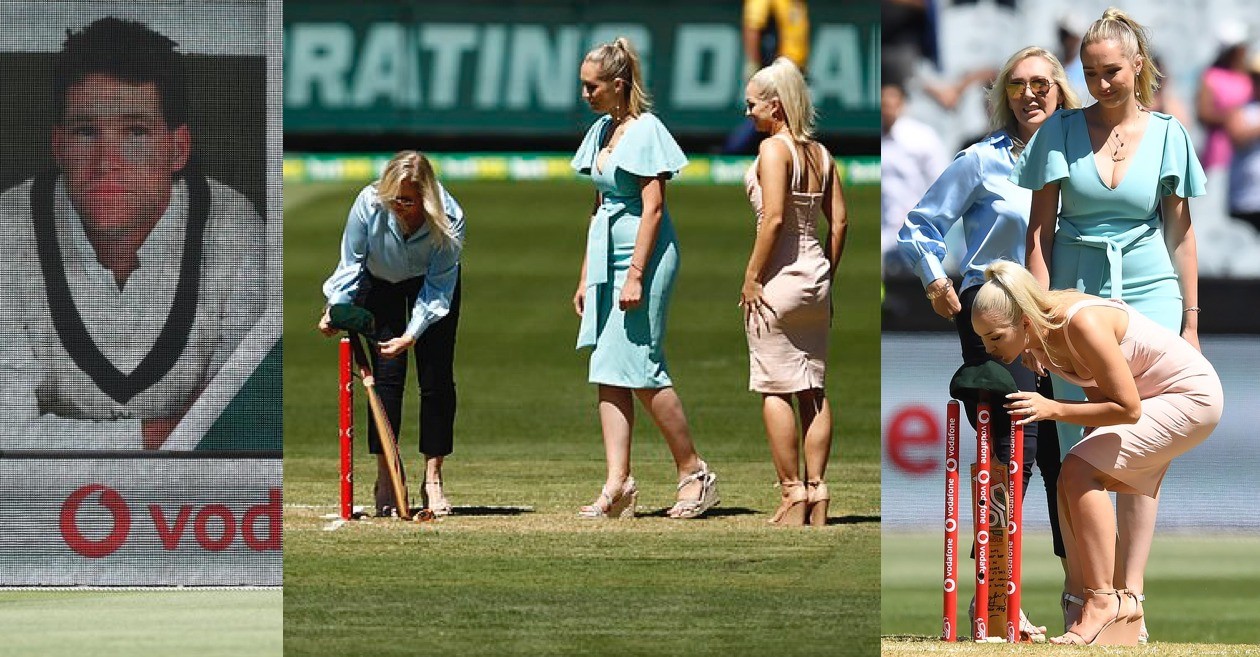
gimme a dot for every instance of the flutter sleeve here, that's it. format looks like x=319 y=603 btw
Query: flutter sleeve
x=1044 y=160
x=1180 y=173
x=584 y=159
x=648 y=150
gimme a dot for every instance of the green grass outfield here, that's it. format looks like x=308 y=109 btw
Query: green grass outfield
x=192 y=623
x=543 y=581
x=1201 y=594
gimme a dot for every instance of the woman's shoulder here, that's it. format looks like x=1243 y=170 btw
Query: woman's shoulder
x=1063 y=116
x=367 y=202
x=1167 y=120
x=598 y=124
x=994 y=142
x=368 y=196
x=645 y=124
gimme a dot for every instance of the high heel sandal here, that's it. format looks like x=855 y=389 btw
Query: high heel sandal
x=607 y=505
x=793 y=504
x=434 y=498
x=1138 y=617
x=1066 y=603
x=1116 y=631
x=708 y=498
x=819 y=501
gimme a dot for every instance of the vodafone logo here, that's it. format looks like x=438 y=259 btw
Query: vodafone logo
x=214 y=527
x=114 y=503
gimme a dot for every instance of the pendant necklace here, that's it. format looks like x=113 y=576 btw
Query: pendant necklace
x=1117 y=147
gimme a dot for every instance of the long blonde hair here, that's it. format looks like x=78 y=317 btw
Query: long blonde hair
x=1134 y=40
x=618 y=60
x=413 y=166
x=783 y=80
x=1000 y=115
x=1010 y=294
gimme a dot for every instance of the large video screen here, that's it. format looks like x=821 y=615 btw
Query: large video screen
x=140 y=360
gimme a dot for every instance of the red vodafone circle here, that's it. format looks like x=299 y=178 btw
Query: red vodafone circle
x=111 y=500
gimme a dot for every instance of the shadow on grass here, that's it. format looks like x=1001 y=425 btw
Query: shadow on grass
x=912 y=638
x=717 y=512
x=491 y=510
x=853 y=520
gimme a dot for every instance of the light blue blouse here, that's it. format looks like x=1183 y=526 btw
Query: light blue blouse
x=976 y=188
x=373 y=241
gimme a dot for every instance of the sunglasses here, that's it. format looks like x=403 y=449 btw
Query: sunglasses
x=1039 y=87
x=403 y=202
x=750 y=104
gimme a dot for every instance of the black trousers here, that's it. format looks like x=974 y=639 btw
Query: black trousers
x=434 y=352
x=1041 y=439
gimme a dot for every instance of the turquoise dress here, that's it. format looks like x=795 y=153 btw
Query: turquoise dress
x=628 y=346
x=1110 y=242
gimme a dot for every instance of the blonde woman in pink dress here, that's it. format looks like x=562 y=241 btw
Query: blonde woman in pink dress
x=1151 y=397
x=786 y=295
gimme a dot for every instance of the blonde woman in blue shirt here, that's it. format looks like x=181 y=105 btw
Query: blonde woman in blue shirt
x=627 y=278
x=400 y=258
x=976 y=189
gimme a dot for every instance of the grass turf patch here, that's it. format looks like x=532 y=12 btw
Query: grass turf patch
x=1199 y=589
x=527 y=435
x=201 y=623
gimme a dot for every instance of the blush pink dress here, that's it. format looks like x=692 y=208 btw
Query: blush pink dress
x=1181 y=397
x=791 y=354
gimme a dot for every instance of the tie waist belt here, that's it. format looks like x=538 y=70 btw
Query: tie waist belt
x=1113 y=247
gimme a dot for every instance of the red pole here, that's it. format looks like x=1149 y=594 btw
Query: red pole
x=1015 y=531
x=346 y=434
x=949 y=625
x=981 y=629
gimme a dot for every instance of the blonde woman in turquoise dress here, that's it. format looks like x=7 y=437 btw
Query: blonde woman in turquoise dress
x=627 y=279
x=1116 y=177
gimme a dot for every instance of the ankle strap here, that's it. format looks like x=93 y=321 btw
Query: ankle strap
x=699 y=475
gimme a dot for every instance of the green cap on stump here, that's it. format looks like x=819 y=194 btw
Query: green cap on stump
x=349 y=317
x=984 y=382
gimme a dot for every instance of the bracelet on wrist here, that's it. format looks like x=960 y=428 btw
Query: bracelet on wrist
x=933 y=296
x=634 y=266
x=1192 y=309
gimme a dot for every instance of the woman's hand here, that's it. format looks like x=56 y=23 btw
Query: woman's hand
x=944 y=299
x=396 y=346
x=1191 y=335
x=325 y=324
x=1030 y=407
x=579 y=299
x=631 y=291
x=752 y=299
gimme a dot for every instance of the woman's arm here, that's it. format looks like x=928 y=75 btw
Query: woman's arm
x=1042 y=217
x=1095 y=332
x=1241 y=131
x=344 y=282
x=1205 y=105
x=1182 y=249
x=773 y=166
x=652 y=190
x=579 y=296
x=837 y=215
x=922 y=235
